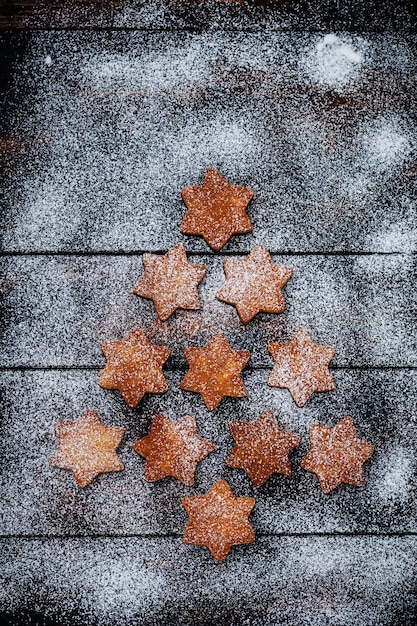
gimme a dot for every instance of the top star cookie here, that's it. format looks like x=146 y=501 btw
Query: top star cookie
x=216 y=210
x=170 y=281
x=301 y=366
x=254 y=284
x=134 y=367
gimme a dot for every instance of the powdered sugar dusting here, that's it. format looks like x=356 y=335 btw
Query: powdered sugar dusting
x=336 y=60
x=396 y=474
x=145 y=115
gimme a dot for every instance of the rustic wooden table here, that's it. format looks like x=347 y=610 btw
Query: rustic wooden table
x=108 y=110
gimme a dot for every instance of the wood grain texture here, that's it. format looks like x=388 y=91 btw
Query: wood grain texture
x=296 y=581
x=105 y=129
x=58 y=310
x=41 y=500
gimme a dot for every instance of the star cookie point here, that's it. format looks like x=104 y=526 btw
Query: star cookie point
x=215 y=371
x=337 y=455
x=253 y=284
x=216 y=210
x=134 y=367
x=301 y=366
x=87 y=448
x=262 y=448
x=173 y=449
x=170 y=281
x=218 y=520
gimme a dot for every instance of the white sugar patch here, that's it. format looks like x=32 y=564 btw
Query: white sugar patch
x=387 y=144
x=174 y=70
x=395 y=472
x=398 y=237
x=117 y=587
x=380 y=151
x=335 y=61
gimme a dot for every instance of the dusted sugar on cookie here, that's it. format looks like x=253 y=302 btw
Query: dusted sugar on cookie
x=134 y=367
x=173 y=449
x=87 y=448
x=262 y=448
x=216 y=210
x=170 y=281
x=253 y=284
x=301 y=366
x=337 y=455
x=218 y=520
x=215 y=371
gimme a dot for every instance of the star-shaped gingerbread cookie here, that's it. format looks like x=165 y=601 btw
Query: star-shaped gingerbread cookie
x=301 y=366
x=215 y=371
x=254 y=284
x=87 y=448
x=134 y=367
x=173 y=449
x=170 y=281
x=262 y=448
x=336 y=455
x=218 y=520
x=216 y=210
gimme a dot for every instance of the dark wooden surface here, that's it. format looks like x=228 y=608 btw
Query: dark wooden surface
x=100 y=130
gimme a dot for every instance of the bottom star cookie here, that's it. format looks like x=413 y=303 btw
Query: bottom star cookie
x=218 y=520
x=336 y=455
x=87 y=448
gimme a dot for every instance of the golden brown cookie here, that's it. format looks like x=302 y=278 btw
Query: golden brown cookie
x=87 y=448
x=173 y=449
x=301 y=366
x=336 y=455
x=254 y=284
x=218 y=520
x=215 y=371
x=262 y=448
x=134 y=367
x=216 y=210
x=170 y=281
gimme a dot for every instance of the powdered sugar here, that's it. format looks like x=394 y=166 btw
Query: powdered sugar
x=116 y=126
x=335 y=60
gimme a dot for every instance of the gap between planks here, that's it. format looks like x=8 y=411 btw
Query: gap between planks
x=183 y=368
x=179 y=535
x=123 y=253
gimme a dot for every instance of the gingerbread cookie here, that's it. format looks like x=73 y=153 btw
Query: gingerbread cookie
x=134 y=367
x=216 y=210
x=87 y=448
x=262 y=448
x=215 y=371
x=218 y=520
x=301 y=366
x=336 y=455
x=170 y=281
x=173 y=449
x=254 y=284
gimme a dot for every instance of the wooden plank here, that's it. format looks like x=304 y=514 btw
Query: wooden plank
x=58 y=310
x=105 y=129
x=380 y=15
x=296 y=581
x=38 y=499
